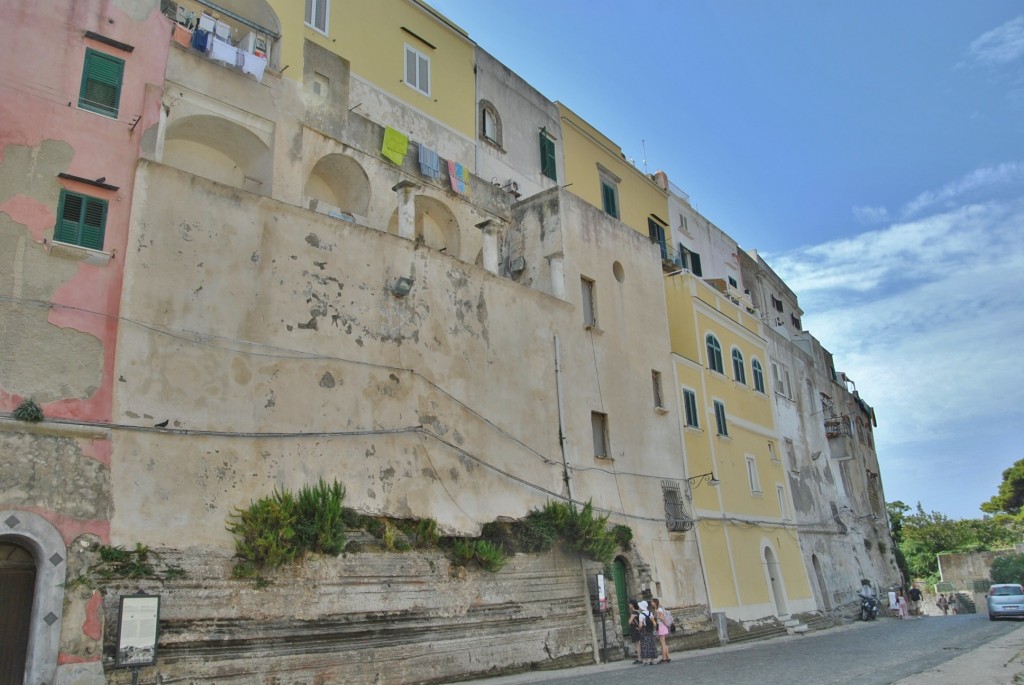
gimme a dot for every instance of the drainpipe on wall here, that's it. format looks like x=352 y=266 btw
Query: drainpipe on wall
x=561 y=421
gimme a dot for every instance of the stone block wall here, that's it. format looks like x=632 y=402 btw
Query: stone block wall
x=371 y=617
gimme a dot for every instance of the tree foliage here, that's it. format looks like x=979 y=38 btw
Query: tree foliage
x=922 y=536
x=1008 y=569
x=1010 y=497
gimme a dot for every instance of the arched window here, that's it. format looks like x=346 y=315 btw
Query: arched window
x=490 y=123
x=714 y=354
x=738 y=370
x=758 y=375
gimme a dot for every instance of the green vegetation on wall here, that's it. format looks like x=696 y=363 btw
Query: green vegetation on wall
x=282 y=528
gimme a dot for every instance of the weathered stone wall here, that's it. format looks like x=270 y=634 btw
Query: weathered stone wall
x=370 y=617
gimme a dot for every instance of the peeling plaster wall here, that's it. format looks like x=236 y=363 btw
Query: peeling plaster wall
x=260 y=317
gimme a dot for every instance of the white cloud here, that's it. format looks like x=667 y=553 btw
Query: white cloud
x=926 y=317
x=976 y=181
x=1001 y=45
x=871 y=215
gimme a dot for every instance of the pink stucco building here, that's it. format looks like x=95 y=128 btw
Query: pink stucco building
x=80 y=88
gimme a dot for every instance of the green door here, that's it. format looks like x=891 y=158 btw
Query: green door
x=619 y=574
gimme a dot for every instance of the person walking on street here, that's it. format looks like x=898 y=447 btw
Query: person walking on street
x=943 y=604
x=953 y=603
x=915 y=601
x=904 y=607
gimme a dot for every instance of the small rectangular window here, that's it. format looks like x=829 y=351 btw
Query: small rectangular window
x=417 y=70
x=599 y=424
x=548 y=167
x=81 y=220
x=589 y=305
x=101 y=83
x=676 y=518
x=777 y=303
x=690 y=408
x=316 y=14
x=609 y=198
x=656 y=382
x=733 y=283
x=755 y=483
x=783 y=509
x=720 y=424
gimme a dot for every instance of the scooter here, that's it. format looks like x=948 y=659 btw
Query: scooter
x=868 y=608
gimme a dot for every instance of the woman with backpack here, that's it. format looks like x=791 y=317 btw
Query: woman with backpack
x=648 y=628
x=663 y=629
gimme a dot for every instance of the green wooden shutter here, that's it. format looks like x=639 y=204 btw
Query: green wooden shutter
x=695 y=264
x=101 y=83
x=93 y=222
x=547 y=157
x=81 y=220
x=69 y=216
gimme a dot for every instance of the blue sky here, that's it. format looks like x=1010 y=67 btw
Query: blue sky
x=872 y=152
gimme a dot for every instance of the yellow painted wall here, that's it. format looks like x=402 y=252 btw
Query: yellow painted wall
x=584 y=147
x=734 y=523
x=370 y=36
x=718 y=566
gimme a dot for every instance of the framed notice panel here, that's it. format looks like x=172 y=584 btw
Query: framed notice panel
x=137 y=625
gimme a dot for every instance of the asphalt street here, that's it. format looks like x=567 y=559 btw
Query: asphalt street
x=875 y=653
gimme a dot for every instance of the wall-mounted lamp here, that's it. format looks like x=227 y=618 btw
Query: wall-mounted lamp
x=401 y=287
x=708 y=478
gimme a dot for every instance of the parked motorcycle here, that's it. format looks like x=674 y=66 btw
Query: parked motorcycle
x=868 y=608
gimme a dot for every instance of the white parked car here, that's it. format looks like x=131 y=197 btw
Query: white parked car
x=1005 y=599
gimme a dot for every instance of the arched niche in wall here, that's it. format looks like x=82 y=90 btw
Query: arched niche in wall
x=436 y=226
x=339 y=182
x=219 y=150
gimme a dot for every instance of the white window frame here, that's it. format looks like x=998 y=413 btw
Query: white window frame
x=312 y=7
x=783 y=509
x=417 y=78
x=755 y=481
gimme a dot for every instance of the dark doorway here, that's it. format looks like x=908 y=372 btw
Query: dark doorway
x=17 y=589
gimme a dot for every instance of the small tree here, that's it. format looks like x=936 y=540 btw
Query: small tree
x=1008 y=569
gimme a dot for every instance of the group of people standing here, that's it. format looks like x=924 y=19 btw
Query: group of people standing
x=906 y=604
x=648 y=626
x=947 y=604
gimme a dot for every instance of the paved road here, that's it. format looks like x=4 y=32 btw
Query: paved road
x=875 y=653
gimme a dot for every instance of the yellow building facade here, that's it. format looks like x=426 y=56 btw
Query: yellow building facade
x=597 y=172
x=737 y=487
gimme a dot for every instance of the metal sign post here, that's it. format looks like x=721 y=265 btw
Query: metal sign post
x=602 y=600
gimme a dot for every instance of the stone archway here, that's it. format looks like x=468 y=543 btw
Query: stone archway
x=436 y=226
x=31 y=539
x=220 y=150
x=17 y=588
x=339 y=182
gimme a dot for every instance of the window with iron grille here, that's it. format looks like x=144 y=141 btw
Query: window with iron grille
x=676 y=518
